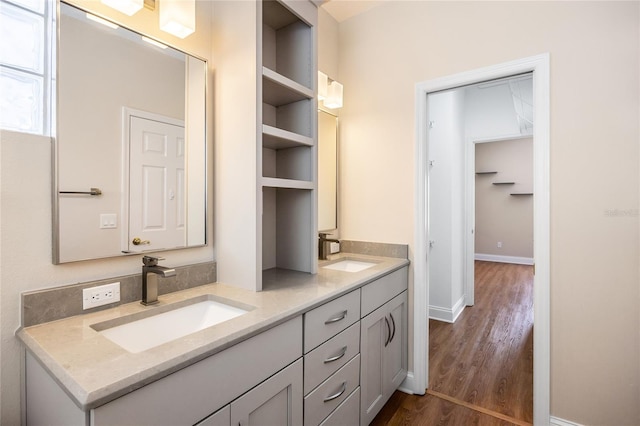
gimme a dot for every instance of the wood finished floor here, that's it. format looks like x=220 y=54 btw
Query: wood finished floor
x=484 y=360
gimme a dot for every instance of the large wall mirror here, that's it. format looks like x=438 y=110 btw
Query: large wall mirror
x=327 y=171
x=130 y=151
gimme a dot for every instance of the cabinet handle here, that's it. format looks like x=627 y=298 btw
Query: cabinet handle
x=394 y=328
x=388 y=339
x=336 y=357
x=337 y=395
x=337 y=318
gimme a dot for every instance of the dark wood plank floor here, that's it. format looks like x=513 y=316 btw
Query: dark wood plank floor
x=484 y=359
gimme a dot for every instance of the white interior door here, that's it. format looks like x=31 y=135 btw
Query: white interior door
x=157 y=185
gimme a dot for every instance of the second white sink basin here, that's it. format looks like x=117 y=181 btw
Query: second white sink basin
x=350 y=265
x=138 y=335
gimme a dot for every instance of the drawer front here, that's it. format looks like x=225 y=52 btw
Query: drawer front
x=324 y=322
x=380 y=291
x=327 y=358
x=330 y=394
x=347 y=413
x=193 y=393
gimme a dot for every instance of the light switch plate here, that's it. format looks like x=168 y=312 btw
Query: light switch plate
x=108 y=221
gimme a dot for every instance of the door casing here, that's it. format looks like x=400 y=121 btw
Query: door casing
x=417 y=380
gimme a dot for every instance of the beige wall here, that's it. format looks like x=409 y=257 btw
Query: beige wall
x=594 y=52
x=499 y=215
x=25 y=213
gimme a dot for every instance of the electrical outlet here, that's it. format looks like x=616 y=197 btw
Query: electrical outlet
x=100 y=295
x=334 y=248
x=499 y=244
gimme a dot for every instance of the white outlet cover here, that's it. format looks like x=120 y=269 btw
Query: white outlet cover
x=100 y=295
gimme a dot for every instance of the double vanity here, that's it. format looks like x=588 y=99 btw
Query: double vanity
x=327 y=348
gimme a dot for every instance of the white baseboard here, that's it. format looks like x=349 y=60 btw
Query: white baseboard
x=555 y=421
x=446 y=314
x=409 y=385
x=504 y=259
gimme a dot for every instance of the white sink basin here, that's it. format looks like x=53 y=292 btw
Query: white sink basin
x=350 y=265
x=138 y=335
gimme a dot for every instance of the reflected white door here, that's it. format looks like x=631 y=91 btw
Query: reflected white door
x=156 y=185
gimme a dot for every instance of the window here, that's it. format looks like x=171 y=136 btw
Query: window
x=26 y=72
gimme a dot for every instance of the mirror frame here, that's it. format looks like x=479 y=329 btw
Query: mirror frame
x=56 y=240
x=337 y=160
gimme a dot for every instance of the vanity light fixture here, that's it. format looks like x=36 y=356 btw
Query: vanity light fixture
x=178 y=17
x=334 y=96
x=128 y=7
x=323 y=85
x=155 y=43
x=102 y=21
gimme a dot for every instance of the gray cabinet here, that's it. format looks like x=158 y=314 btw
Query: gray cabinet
x=275 y=402
x=383 y=348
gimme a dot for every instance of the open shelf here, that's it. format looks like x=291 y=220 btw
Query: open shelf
x=269 y=182
x=275 y=138
x=279 y=90
x=287 y=43
x=287 y=235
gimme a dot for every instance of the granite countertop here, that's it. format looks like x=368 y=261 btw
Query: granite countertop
x=93 y=370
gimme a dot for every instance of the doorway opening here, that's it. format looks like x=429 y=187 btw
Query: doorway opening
x=539 y=66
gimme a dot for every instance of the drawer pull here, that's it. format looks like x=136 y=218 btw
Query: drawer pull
x=337 y=394
x=394 y=327
x=337 y=318
x=336 y=357
x=388 y=339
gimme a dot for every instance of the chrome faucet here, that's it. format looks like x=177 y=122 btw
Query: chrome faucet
x=322 y=245
x=150 y=272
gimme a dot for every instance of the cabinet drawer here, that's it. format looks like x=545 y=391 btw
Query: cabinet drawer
x=191 y=394
x=347 y=413
x=324 y=322
x=327 y=358
x=326 y=397
x=380 y=291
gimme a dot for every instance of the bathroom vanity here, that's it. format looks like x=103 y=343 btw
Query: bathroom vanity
x=327 y=349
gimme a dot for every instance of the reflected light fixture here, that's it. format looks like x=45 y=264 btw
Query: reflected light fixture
x=323 y=85
x=334 y=96
x=178 y=17
x=128 y=7
x=102 y=21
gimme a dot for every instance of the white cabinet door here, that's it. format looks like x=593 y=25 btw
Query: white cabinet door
x=275 y=402
x=383 y=352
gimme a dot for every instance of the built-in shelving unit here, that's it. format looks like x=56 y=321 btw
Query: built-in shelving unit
x=288 y=178
x=266 y=149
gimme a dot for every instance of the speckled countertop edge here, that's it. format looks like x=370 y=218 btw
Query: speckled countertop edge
x=93 y=370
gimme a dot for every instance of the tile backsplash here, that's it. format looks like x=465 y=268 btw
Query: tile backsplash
x=375 y=249
x=60 y=302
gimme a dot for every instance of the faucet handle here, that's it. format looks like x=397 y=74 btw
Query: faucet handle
x=151 y=260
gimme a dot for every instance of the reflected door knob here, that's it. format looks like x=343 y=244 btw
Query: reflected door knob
x=137 y=241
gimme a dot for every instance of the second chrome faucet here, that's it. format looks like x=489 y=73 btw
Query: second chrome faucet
x=150 y=272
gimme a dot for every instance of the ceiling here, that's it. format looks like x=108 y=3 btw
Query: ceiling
x=344 y=9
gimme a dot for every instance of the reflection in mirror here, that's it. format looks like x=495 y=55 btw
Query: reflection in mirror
x=131 y=126
x=327 y=171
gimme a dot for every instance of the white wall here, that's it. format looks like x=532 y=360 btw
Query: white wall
x=594 y=52
x=25 y=214
x=446 y=203
x=490 y=113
